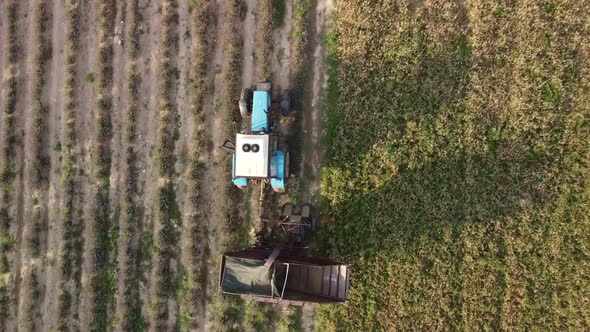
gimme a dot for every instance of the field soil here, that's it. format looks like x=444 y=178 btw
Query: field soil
x=59 y=287
x=55 y=86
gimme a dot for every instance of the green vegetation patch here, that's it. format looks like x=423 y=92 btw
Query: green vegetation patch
x=456 y=179
x=279 y=8
x=8 y=168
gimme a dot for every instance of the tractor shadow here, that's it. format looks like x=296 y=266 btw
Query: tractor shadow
x=444 y=195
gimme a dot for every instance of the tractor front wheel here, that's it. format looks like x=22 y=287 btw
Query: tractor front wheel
x=285 y=103
x=286 y=166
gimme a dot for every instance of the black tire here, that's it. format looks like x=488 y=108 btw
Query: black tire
x=246 y=148
x=245 y=103
x=255 y=148
x=287 y=210
x=285 y=103
x=286 y=166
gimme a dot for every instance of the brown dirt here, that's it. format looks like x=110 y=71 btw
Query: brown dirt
x=314 y=119
x=249 y=43
x=120 y=106
x=86 y=128
x=25 y=38
x=186 y=129
x=49 y=277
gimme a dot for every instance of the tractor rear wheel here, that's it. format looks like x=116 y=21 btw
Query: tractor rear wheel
x=245 y=103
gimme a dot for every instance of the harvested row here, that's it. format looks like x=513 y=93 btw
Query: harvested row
x=7 y=174
x=72 y=248
x=40 y=161
x=167 y=234
x=101 y=279
x=301 y=92
x=192 y=306
x=230 y=93
x=129 y=296
x=303 y=89
x=229 y=312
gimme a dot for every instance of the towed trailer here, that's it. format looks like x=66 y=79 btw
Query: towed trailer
x=279 y=276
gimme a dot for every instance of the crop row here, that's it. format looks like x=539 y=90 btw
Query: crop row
x=71 y=252
x=264 y=40
x=168 y=214
x=6 y=175
x=32 y=308
x=194 y=296
x=299 y=76
x=131 y=317
x=102 y=283
x=301 y=12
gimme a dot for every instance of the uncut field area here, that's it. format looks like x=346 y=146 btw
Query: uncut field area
x=456 y=177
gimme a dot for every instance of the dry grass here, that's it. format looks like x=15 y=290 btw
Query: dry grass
x=457 y=174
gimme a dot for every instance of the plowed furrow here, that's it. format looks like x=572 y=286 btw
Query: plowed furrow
x=167 y=228
x=50 y=276
x=35 y=177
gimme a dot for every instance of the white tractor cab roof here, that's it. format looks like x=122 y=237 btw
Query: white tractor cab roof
x=252 y=155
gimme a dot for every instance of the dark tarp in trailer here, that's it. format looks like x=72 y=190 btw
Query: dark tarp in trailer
x=246 y=276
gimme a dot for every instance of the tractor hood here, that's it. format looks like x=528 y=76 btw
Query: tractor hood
x=260 y=107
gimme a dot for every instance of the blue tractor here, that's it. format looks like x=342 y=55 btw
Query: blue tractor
x=255 y=155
